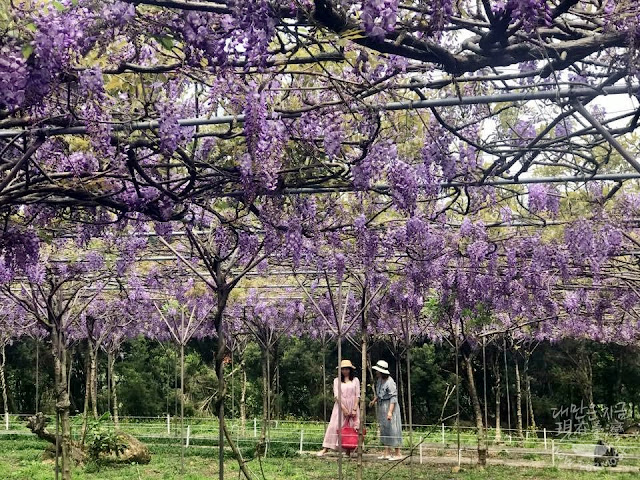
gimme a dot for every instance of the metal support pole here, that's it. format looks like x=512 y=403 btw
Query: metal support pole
x=606 y=134
x=452 y=101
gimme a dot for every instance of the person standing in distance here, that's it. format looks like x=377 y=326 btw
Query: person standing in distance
x=349 y=411
x=388 y=411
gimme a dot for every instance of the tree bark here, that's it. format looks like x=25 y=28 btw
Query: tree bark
x=477 y=411
x=497 y=389
x=265 y=402
x=518 y=398
x=114 y=390
x=93 y=356
x=3 y=381
x=363 y=385
x=243 y=394
x=59 y=352
x=527 y=382
x=401 y=387
x=87 y=394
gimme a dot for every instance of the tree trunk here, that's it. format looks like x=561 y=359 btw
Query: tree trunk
x=527 y=383
x=93 y=356
x=324 y=379
x=111 y=359
x=477 y=411
x=588 y=387
x=409 y=411
x=401 y=387
x=265 y=402
x=518 y=398
x=37 y=402
x=498 y=395
x=363 y=385
x=243 y=394
x=63 y=403
x=182 y=440
x=3 y=382
x=87 y=394
x=275 y=391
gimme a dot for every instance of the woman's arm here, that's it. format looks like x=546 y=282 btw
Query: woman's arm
x=392 y=407
x=375 y=395
x=356 y=403
x=392 y=391
x=336 y=385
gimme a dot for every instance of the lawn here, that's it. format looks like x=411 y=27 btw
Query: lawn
x=21 y=459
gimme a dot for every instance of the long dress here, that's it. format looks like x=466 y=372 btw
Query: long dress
x=390 y=431
x=350 y=395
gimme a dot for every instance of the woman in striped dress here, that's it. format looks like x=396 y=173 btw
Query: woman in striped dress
x=388 y=411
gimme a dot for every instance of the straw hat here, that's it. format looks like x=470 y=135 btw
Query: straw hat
x=382 y=367
x=346 y=364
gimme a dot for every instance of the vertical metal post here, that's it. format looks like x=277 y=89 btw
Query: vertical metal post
x=37 y=374
x=301 y=439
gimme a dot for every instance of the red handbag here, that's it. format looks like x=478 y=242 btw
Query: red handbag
x=349 y=437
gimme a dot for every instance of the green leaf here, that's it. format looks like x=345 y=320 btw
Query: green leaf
x=353 y=34
x=165 y=41
x=58 y=6
x=27 y=51
x=31 y=26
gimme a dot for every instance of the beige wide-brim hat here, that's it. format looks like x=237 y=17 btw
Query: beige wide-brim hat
x=346 y=364
x=382 y=367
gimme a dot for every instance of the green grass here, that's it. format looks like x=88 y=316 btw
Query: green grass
x=21 y=459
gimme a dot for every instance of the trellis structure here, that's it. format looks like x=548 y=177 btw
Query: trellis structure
x=159 y=110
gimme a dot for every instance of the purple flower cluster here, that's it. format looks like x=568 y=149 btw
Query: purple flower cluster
x=170 y=109
x=255 y=27
x=244 y=34
x=13 y=77
x=118 y=13
x=79 y=163
x=437 y=159
x=543 y=197
x=440 y=11
x=19 y=248
x=404 y=185
x=332 y=142
x=380 y=155
x=265 y=144
x=532 y=13
x=379 y=17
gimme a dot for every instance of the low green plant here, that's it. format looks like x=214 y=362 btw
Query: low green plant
x=104 y=441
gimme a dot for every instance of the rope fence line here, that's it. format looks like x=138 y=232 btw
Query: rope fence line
x=17 y=422
x=303 y=436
